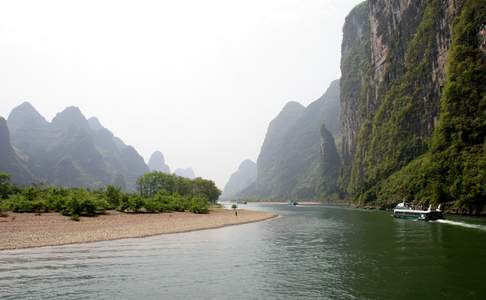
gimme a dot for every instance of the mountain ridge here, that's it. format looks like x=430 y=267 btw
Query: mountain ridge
x=71 y=150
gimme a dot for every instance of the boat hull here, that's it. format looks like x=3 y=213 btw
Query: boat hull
x=418 y=215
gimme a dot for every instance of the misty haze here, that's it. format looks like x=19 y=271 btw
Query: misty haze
x=345 y=138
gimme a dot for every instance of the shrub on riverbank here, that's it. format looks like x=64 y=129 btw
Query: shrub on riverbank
x=75 y=202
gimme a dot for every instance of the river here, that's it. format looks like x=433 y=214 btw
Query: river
x=310 y=252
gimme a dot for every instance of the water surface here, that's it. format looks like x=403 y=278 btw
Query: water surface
x=312 y=252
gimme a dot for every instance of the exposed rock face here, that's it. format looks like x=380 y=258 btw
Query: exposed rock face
x=241 y=179
x=355 y=61
x=330 y=165
x=157 y=163
x=274 y=146
x=413 y=76
x=10 y=162
x=294 y=154
x=186 y=173
x=393 y=67
x=72 y=151
x=331 y=109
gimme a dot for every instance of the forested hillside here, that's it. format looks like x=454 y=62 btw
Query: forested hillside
x=413 y=103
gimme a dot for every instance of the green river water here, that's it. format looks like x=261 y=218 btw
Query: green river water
x=310 y=252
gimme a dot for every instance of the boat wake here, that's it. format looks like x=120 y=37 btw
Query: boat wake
x=467 y=225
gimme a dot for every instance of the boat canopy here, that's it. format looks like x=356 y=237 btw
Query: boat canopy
x=402 y=205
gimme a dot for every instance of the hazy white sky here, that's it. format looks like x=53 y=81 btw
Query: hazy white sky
x=197 y=80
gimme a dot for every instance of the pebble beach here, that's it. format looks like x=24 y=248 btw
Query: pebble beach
x=29 y=230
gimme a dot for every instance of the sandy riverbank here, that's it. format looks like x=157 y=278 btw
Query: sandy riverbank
x=49 y=229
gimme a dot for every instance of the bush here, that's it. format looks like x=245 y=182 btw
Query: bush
x=76 y=202
x=152 y=205
x=199 y=205
x=18 y=203
x=5 y=186
x=113 y=195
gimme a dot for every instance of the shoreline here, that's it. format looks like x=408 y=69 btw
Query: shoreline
x=286 y=202
x=308 y=203
x=23 y=231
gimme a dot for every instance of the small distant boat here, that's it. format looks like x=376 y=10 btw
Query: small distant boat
x=403 y=211
x=293 y=203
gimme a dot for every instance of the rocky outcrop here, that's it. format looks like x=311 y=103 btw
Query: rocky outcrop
x=241 y=179
x=157 y=163
x=186 y=173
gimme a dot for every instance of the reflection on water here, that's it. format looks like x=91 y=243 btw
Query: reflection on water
x=310 y=252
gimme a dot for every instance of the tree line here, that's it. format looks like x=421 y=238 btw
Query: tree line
x=156 y=193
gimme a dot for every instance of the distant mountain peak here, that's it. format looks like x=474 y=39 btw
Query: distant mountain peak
x=159 y=154
x=72 y=111
x=70 y=116
x=241 y=179
x=157 y=163
x=293 y=105
x=24 y=113
x=69 y=151
x=26 y=106
x=246 y=164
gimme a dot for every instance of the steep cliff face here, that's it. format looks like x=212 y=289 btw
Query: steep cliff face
x=394 y=58
x=355 y=65
x=296 y=151
x=241 y=179
x=274 y=145
x=329 y=166
x=391 y=101
x=10 y=162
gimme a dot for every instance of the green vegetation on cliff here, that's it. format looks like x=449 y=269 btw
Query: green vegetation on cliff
x=394 y=126
x=355 y=66
x=453 y=170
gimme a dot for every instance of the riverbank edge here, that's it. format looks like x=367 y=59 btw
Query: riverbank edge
x=446 y=207
x=265 y=217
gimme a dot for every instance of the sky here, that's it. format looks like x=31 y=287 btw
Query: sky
x=198 y=80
